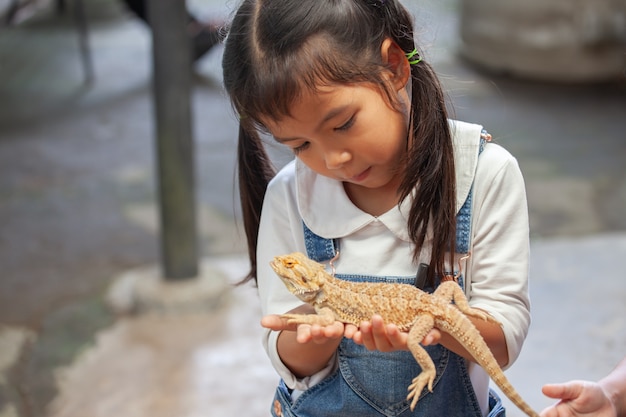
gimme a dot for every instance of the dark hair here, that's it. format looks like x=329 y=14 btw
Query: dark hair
x=276 y=49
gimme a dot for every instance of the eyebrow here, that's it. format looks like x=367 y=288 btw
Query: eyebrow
x=329 y=116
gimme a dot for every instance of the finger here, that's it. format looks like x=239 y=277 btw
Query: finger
x=350 y=330
x=397 y=338
x=367 y=338
x=316 y=331
x=379 y=333
x=552 y=390
x=276 y=322
x=432 y=338
x=566 y=391
x=357 y=337
x=303 y=333
x=335 y=330
x=321 y=334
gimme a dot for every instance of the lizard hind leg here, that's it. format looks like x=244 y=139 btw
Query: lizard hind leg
x=418 y=331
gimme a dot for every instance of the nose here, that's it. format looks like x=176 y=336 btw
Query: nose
x=336 y=158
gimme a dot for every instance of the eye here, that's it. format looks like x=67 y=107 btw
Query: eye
x=347 y=125
x=300 y=148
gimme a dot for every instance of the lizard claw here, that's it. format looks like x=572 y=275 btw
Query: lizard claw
x=295 y=318
x=483 y=315
x=418 y=384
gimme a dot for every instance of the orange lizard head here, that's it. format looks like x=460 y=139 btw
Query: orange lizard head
x=302 y=276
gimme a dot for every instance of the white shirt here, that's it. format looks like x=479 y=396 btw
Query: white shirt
x=496 y=274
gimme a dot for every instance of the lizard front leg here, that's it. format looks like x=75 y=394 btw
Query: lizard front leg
x=422 y=325
x=324 y=317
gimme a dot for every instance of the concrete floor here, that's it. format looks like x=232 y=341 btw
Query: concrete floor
x=77 y=212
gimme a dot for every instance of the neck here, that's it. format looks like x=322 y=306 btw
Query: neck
x=374 y=201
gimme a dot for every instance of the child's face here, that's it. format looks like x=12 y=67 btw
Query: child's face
x=349 y=133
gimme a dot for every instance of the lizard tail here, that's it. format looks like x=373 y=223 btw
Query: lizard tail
x=464 y=331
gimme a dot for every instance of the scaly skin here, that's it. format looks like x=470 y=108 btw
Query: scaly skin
x=406 y=306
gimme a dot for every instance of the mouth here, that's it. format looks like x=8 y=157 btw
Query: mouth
x=361 y=176
x=303 y=294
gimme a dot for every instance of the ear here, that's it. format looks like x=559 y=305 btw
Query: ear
x=397 y=62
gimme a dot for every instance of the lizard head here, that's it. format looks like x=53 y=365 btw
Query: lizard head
x=302 y=276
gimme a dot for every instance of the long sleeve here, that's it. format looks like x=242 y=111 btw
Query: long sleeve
x=499 y=263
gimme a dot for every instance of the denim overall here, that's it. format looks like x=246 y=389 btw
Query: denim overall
x=372 y=383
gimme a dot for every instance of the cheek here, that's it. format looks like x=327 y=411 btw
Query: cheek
x=389 y=144
x=313 y=161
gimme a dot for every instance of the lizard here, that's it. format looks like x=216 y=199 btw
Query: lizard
x=411 y=309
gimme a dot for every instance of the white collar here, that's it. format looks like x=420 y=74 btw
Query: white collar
x=326 y=209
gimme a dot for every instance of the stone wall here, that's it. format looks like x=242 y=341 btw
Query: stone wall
x=554 y=40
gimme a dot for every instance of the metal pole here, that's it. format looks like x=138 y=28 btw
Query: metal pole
x=83 y=39
x=174 y=144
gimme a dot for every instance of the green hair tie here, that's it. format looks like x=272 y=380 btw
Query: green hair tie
x=411 y=55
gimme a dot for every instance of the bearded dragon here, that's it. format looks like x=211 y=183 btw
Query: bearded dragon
x=412 y=310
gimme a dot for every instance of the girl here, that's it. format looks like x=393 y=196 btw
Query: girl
x=385 y=186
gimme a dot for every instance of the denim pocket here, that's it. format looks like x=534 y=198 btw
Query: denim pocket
x=496 y=408
x=382 y=378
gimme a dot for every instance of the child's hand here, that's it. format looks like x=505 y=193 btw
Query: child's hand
x=375 y=335
x=305 y=333
x=578 y=399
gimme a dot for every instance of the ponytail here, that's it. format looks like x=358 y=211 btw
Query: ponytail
x=255 y=170
x=430 y=177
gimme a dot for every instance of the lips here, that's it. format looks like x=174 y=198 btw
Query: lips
x=361 y=176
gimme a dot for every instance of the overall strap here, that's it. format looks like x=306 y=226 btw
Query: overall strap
x=464 y=216
x=318 y=248
x=464 y=225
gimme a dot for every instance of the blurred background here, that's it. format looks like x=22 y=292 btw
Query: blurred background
x=79 y=207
